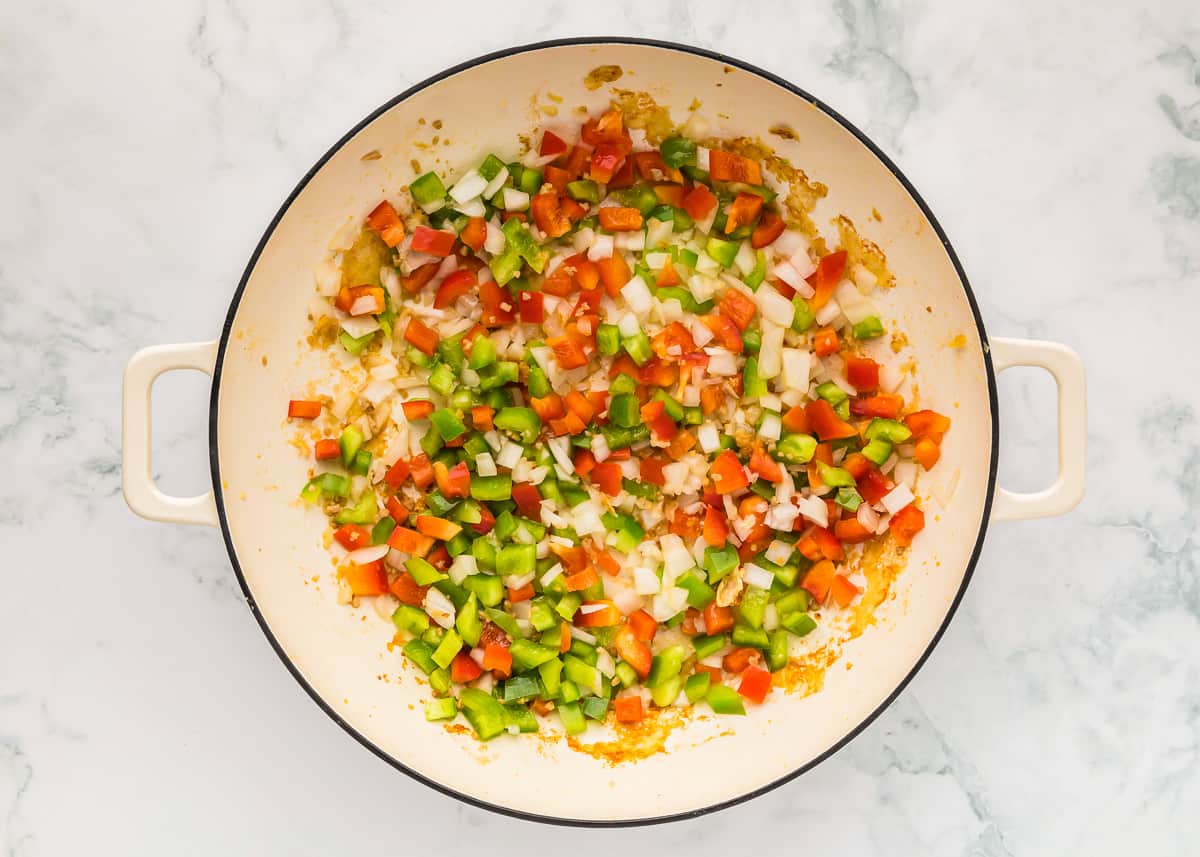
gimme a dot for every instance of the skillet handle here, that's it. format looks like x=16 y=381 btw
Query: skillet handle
x=137 y=476
x=1067 y=490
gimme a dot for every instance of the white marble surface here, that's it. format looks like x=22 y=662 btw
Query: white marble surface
x=146 y=145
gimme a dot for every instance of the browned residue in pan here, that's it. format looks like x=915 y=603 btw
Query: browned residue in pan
x=601 y=75
x=635 y=740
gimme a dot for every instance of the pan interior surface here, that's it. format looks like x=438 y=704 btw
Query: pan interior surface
x=342 y=655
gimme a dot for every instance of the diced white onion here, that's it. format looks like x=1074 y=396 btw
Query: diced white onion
x=676 y=557
x=797 y=368
x=757 y=577
x=791 y=241
x=439 y=607
x=770 y=353
x=464 y=566
x=785 y=272
x=471 y=208
x=710 y=441
x=826 y=314
x=770 y=426
x=898 y=498
x=497 y=182
x=905 y=473
x=495 y=241
x=746 y=258
x=775 y=307
x=510 y=453
x=602 y=247
x=814 y=509
x=471 y=185
x=515 y=200
x=551 y=573
x=368 y=555
x=658 y=232
x=778 y=552
x=645 y=581
x=485 y=465
x=358 y=326
x=582 y=636
x=637 y=295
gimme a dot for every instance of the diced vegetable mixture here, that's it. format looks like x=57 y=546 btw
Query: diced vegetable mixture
x=615 y=441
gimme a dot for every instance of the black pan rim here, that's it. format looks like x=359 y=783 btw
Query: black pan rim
x=214 y=455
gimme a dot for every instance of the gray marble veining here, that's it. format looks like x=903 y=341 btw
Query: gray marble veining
x=145 y=145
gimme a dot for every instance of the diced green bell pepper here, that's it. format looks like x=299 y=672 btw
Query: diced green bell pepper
x=849 y=499
x=796 y=448
x=677 y=151
x=803 y=317
x=708 y=645
x=868 y=328
x=528 y=655
x=583 y=190
x=892 y=431
x=484 y=712
x=411 y=619
x=696 y=686
x=427 y=189
x=798 y=623
x=421 y=654
x=572 y=717
x=445 y=708
x=744 y=635
x=523 y=243
x=491 y=488
x=665 y=665
x=718 y=562
x=522 y=421
x=724 y=700
x=753 y=607
x=364 y=511
x=835 y=477
x=722 y=251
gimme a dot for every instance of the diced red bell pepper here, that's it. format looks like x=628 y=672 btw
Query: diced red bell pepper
x=463 y=669
x=741 y=659
x=386 y=223
x=420 y=277
x=396 y=509
x=326 y=449
x=528 y=500
x=738 y=308
x=410 y=541
x=825 y=342
x=551 y=144
x=755 y=685
x=606 y=160
x=669 y=194
x=497 y=657
x=581 y=580
x=927 y=453
x=633 y=650
x=481 y=417
x=818 y=580
x=487 y=522
x=644 y=625
x=717 y=619
x=548 y=215
x=906 y=523
x=498 y=309
x=422 y=471
x=795 y=420
x=406 y=590
x=614 y=273
x=825 y=279
x=299 y=409
x=928 y=424
x=532 y=307
x=547 y=407
x=421 y=336
x=884 y=405
x=417 y=409
x=873 y=485
x=727 y=473
x=457 y=283
x=438 y=528
x=352 y=536
x=730 y=167
x=654 y=415
x=629 y=709
x=850 y=531
x=743 y=211
x=699 y=202
x=369 y=579
x=765 y=466
x=360 y=300
x=716 y=528
x=683 y=443
x=651 y=470
x=607 y=477
x=433 y=241
x=616 y=219
x=724 y=331
x=769 y=228
x=862 y=373
x=607 y=616
x=526 y=592
x=826 y=423
x=452 y=481
x=474 y=233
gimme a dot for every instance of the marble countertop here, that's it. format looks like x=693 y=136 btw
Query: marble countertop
x=141 y=710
